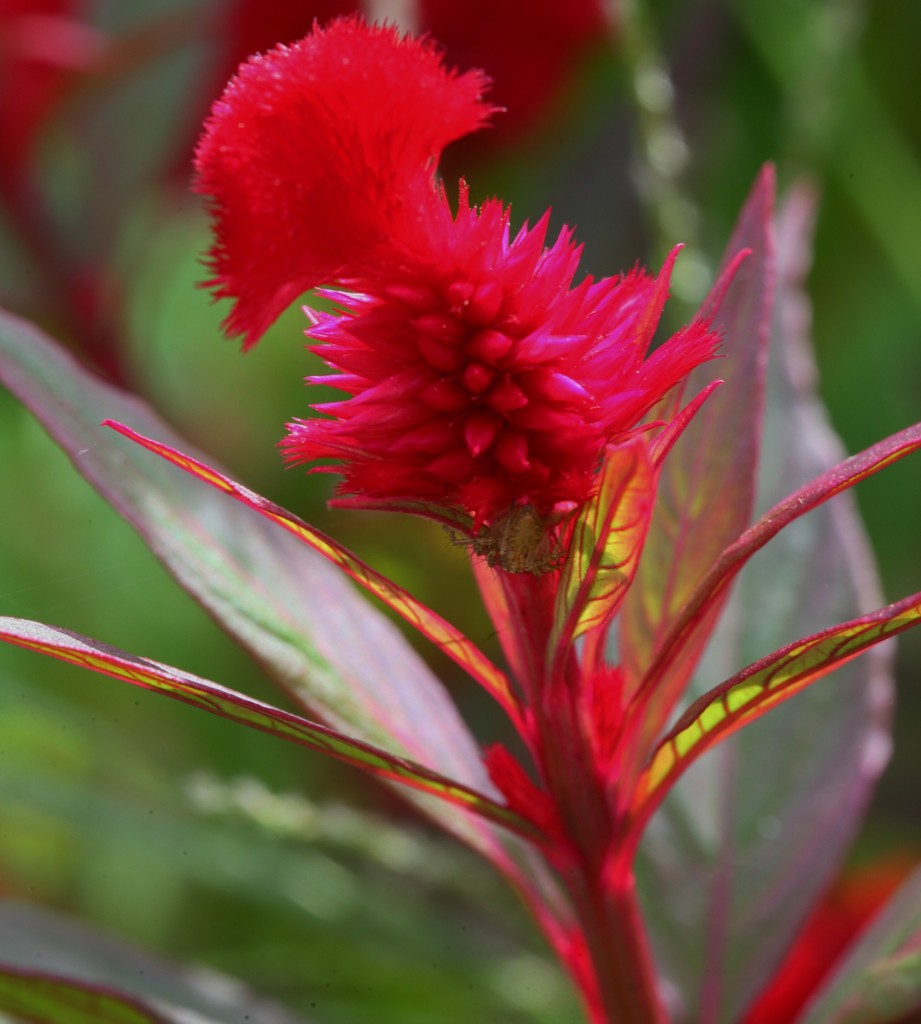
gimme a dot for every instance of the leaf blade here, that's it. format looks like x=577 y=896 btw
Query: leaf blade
x=298 y=616
x=879 y=979
x=237 y=707
x=758 y=688
x=742 y=851
x=691 y=628
x=50 y=999
x=428 y=623
x=606 y=544
x=36 y=940
x=717 y=454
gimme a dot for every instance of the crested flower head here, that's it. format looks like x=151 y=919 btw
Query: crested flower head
x=483 y=384
x=319 y=162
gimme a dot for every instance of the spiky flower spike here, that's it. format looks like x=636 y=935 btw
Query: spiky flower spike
x=484 y=386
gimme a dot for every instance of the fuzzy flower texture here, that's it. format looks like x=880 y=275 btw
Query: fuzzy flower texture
x=483 y=384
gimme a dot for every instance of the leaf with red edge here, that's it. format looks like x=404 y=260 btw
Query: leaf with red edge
x=663 y=442
x=830 y=934
x=879 y=981
x=744 y=845
x=691 y=628
x=333 y=652
x=757 y=689
x=50 y=999
x=496 y=602
x=428 y=623
x=34 y=940
x=716 y=456
x=606 y=543
x=237 y=707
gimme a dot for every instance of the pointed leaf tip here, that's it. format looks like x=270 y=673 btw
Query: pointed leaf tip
x=717 y=454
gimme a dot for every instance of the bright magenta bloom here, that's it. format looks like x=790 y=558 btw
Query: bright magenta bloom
x=481 y=380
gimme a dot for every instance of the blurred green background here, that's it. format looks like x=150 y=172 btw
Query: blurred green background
x=172 y=827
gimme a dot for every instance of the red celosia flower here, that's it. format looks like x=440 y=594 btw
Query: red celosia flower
x=236 y=30
x=320 y=160
x=530 y=52
x=481 y=380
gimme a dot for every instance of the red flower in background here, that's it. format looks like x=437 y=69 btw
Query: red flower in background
x=481 y=379
x=529 y=49
x=830 y=931
x=41 y=45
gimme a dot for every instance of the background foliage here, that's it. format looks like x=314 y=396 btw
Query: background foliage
x=173 y=828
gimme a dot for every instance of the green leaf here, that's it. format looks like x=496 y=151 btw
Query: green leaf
x=62 y=963
x=606 y=544
x=755 y=690
x=454 y=644
x=879 y=980
x=334 y=653
x=716 y=456
x=691 y=628
x=48 y=999
x=751 y=836
x=219 y=700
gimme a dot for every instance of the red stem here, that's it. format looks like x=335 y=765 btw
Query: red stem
x=616 y=938
x=603 y=894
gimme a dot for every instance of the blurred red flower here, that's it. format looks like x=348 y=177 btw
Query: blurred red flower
x=42 y=43
x=832 y=927
x=529 y=49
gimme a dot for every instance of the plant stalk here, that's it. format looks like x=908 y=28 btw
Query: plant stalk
x=619 y=982
x=620 y=955
x=603 y=893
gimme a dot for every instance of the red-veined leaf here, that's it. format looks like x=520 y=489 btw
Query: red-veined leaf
x=706 y=491
x=429 y=624
x=879 y=980
x=237 y=707
x=743 y=846
x=34 y=939
x=49 y=999
x=495 y=599
x=663 y=442
x=691 y=629
x=595 y=653
x=758 y=688
x=299 y=616
x=606 y=543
